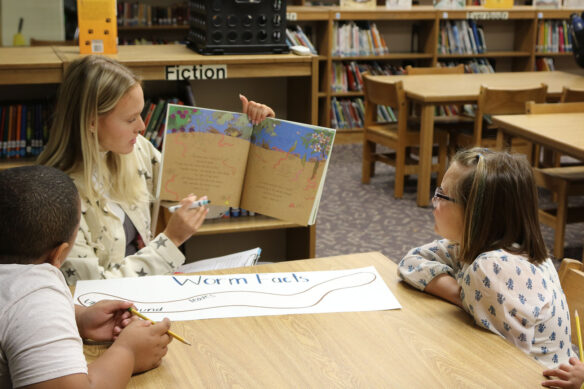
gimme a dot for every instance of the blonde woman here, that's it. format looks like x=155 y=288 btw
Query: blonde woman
x=95 y=138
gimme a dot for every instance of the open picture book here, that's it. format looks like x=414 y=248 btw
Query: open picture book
x=276 y=168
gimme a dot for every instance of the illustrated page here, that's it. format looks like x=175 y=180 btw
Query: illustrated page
x=205 y=153
x=286 y=168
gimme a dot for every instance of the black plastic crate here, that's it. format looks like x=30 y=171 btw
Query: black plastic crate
x=237 y=26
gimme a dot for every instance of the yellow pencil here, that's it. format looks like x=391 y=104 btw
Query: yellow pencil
x=169 y=332
x=579 y=334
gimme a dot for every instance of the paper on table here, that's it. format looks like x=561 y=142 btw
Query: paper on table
x=244 y=258
x=194 y=297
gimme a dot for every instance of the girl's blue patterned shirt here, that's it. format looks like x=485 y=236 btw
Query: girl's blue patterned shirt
x=504 y=293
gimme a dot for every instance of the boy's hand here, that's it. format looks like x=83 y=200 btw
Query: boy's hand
x=103 y=321
x=146 y=341
x=256 y=112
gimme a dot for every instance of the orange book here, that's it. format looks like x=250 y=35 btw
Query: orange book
x=98 y=30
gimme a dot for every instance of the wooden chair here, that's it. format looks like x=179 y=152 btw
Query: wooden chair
x=572 y=280
x=562 y=181
x=395 y=136
x=571 y=95
x=498 y=102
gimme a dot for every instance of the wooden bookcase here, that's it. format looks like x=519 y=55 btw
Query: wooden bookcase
x=44 y=66
x=510 y=37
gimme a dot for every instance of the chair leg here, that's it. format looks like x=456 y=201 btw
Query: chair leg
x=561 y=218
x=367 y=162
x=400 y=169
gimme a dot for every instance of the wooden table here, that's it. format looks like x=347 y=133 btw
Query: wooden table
x=427 y=344
x=432 y=90
x=563 y=132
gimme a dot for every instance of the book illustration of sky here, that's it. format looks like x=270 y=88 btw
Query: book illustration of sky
x=314 y=146
x=315 y=143
x=190 y=119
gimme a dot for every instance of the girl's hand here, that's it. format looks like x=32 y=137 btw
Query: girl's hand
x=569 y=376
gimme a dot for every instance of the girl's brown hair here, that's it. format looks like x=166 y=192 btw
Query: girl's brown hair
x=499 y=197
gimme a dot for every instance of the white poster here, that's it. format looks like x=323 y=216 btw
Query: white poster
x=196 y=297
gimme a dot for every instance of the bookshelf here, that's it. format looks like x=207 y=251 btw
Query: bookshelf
x=412 y=37
x=42 y=68
x=152 y=21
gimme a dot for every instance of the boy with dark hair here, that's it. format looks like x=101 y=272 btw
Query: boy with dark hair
x=40 y=328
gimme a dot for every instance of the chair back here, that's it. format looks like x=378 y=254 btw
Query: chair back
x=458 y=69
x=531 y=107
x=504 y=102
x=392 y=94
x=571 y=95
x=572 y=280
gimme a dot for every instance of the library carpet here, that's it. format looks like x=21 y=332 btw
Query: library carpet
x=355 y=218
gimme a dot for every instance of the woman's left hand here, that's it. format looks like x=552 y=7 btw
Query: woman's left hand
x=255 y=111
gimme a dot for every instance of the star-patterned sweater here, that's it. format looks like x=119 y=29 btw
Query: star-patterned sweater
x=99 y=251
x=504 y=293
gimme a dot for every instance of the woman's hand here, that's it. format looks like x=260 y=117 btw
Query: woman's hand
x=104 y=320
x=256 y=112
x=185 y=221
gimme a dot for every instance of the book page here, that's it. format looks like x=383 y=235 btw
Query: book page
x=242 y=259
x=205 y=153
x=285 y=171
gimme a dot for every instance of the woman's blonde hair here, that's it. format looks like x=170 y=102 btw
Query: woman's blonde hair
x=498 y=193
x=92 y=86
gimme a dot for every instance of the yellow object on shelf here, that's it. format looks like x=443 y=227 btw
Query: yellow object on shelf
x=98 y=29
x=18 y=39
x=498 y=4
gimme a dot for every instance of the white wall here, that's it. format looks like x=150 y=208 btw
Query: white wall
x=43 y=19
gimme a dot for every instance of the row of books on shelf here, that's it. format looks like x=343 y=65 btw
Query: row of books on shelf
x=475 y=65
x=545 y=64
x=461 y=37
x=154 y=117
x=347 y=76
x=553 y=36
x=23 y=129
x=133 y=13
x=357 y=39
x=349 y=113
x=295 y=36
x=145 y=41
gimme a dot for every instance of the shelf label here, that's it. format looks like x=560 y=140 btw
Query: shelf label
x=500 y=15
x=337 y=15
x=291 y=16
x=540 y=15
x=444 y=15
x=195 y=72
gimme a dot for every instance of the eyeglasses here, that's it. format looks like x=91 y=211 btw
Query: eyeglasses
x=439 y=195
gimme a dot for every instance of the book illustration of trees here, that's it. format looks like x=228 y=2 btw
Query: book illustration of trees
x=320 y=144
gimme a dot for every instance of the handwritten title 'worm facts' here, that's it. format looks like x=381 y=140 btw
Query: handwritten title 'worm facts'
x=237 y=295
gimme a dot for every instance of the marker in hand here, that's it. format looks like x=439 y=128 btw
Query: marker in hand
x=195 y=204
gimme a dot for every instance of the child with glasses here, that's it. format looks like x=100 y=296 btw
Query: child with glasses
x=492 y=261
